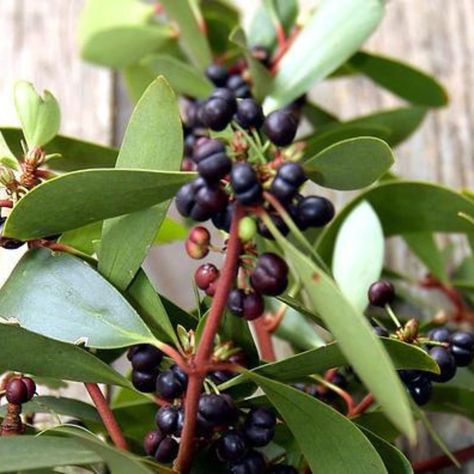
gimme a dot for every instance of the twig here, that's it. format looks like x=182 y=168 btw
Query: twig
x=365 y=403
x=439 y=462
x=6 y=203
x=264 y=340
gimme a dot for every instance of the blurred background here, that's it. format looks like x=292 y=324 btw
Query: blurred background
x=39 y=44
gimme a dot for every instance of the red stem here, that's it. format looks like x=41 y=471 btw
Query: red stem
x=439 y=462
x=174 y=354
x=107 y=416
x=264 y=340
x=206 y=344
x=283 y=48
x=6 y=203
x=365 y=403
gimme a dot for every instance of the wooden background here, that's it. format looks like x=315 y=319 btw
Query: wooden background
x=39 y=44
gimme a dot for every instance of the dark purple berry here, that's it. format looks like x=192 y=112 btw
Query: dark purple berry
x=282 y=469
x=252 y=463
x=235 y=302
x=192 y=114
x=152 y=441
x=167 y=419
x=249 y=114
x=144 y=381
x=180 y=374
x=292 y=173
x=462 y=348
x=231 y=446
x=168 y=386
x=381 y=293
x=446 y=363
x=212 y=162
x=420 y=389
x=216 y=114
x=147 y=358
x=315 y=211
x=211 y=198
x=217 y=409
x=440 y=334
x=254 y=306
x=270 y=275
x=280 y=127
x=261 y=417
x=228 y=96
x=186 y=201
x=238 y=86
x=20 y=390
x=221 y=376
x=223 y=219
x=279 y=223
x=10 y=244
x=217 y=75
x=245 y=184
x=167 y=450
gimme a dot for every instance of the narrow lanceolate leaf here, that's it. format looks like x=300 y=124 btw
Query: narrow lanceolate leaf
x=87 y=196
x=318 y=116
x=333 y=33
x=455 y=400
x=350 y=164
x=184 y=78
x=117 y=33
x=38 y=452
x=18 y=345
x=359 y=254
x=39 y=115
x=328 y=440
x=406 y=207
x=153 y=140
x=93 y=312
x=401 y=79
x=357 y=340
x=191 y=31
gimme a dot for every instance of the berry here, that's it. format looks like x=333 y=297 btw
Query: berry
x=380 y=331
x=186 y=201
x=168 y=385
x=223 y=219
x=6 y=243
x=197 y=243
x=228 y=96
x=282 y=469
x=259 y=427
x=180 y=374
x=257 y=436
x=270 y=275
x=206 y=275
x=252 y=463
x=167 y=419
x=188 y=165
x=238 y=86
x=420 y=389
x=280 y=127
x=247 y=229
x=254 y=306
x=189 y=143
x=192 y=114
x=217 y=409
x=235 y=302
x=167 y=450
x=462 y=348
x=144 y=381
x=216 y=114
x=261 y=417
x=249 y=114
x=315 y=211
x=152 y=441
x=245 y=184
x=446 y=362
x=289 y=178
x=231 y=446
x=279 y=223
x=440 y=334
x=212 y=162
x=20 y=390
x=217 y=74
x=221 y=376
x=147 y=358
x=381 y=293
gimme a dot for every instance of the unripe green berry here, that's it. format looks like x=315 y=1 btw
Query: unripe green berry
x=247 y=229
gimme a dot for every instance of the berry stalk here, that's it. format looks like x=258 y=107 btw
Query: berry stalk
x=206 y=344
x=440 y=462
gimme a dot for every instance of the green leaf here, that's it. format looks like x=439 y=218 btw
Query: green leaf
x=7 y=158
x=357 y=339
x=170 y=231
x=137 y=78
x=39 y=115
x=423 y=245
x=35 y=452
x=401 y=79
x=358 y=254
x=185 y=79
x=350 y=164
x=327 y=439
x=450 y=399
x=87 y=196
x=83 y=238
x=337 y=29
x=405 y=207
x=191 y=37
x=156 y=123
x=62 y=297
x=376 y=422
x=18 y=345
x=117 y=33
x=317 y=116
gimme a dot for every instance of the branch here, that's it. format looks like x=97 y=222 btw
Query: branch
x=439 y=462
x=365 y=403
x=206 y=344
x=264 y=339
x=107 y=416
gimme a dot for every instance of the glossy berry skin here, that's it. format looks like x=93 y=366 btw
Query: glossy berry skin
x=254 y=306
x=211 y=198
x=186 y=203
x=167 y=450
x=205 y=275
x=381 y=293
x=20 y=390
x=180 y=374
x=314 y=211
x=216 y=114
x=212 y=162
x=144 y=381
x=235 y=302
x=259 y=427
x=228 y=96
x=147 y=358
x=249 y=114
x=440 y=334
x=231 y=446
x=462 y=348
x=280 y=127
x=252 y=463
x=152 y=441
x=245 y=184
x=217 y=409
x=446 y=362
x=261 y=417
x=282 y=469
x=167 y=419
x=279 y=223
x=238 y=86
x=270 y=275
x=217 y=74
x=289 y=178
x=420 y=388
x=168 y=385
x=223 y=219
x=221 y=376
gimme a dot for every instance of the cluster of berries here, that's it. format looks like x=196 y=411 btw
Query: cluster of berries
x=448 y=349
x=20 y=390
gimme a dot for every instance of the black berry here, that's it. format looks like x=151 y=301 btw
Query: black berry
x=245 y=184
x=228 y=96
x=231 y=446
x=167 y=450
x=235 y=302
x=462 y=348
x=217 y=75
x=223 y=219
x=270 y=275
x=254 y=306
x=238 y=86
x=152 y=441
x=446 y=362
x=144 y=381
x=252 y=463
x=440 y=334
x=168 y=385
x=147 y=358
x=249 y=114
x=261 y=417
x=167 y=419
x=282 y=469
x=20 y=390
x=290 y=176
x=216 y=114
x=315 y=211
x=211 y=199
x=280 y=127
x=278 y=222
x=186 y=201
x=221 y=376
x=420 y=388
x=217 y=409
x=212 y=162
x=381 y=293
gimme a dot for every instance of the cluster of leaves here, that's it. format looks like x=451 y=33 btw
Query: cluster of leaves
x=111 y=206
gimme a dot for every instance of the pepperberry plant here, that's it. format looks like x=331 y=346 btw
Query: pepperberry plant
x=218 y=126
